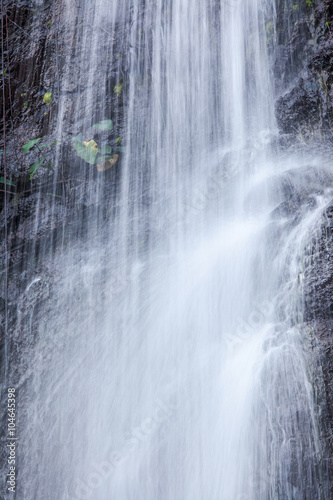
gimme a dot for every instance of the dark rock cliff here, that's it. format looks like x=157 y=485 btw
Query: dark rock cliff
x=318 y=326
x=304 y=69
x=47 y=208
x=44 y=211
x=304 y=112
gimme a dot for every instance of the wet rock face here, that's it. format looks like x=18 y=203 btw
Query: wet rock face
x=304 y=66
x=303 y=73
x=54 y=207
x=299 y=109
x=31 y=62
x=318 y=321
x=42 y=40
x=318 y=290
x=45 y=56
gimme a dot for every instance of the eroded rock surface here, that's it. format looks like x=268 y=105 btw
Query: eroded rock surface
x=304 y=69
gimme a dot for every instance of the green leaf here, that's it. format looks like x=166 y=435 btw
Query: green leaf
x=120 y=149
x=117 y=89
x=35 y=166
x=8 y=182
x=7 y=151
x=105 y=150
x=87 y=151
x=47 y=145
x=103 y=125
x=47 y=99
x=77 y=138
x=30 y=144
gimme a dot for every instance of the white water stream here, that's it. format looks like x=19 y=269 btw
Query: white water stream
x=172 y=365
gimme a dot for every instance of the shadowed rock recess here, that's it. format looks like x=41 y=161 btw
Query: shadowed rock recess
x=47 y=209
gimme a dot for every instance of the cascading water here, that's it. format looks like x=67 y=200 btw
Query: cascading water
x=171 y=364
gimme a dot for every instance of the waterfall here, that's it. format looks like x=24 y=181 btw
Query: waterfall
x=170 y=359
